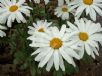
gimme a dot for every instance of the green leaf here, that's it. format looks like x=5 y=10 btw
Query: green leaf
x=58 y=73
x=24 y=66
x=87 y=59
x=4 y=41
x=16 y=61
x=70 y=69
x=33 y=71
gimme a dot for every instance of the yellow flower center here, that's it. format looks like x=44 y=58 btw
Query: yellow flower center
x=83 y=36
x=88 y=2
x=41 y=30
x=56 y=43
x=64 y=9
x=13 y=8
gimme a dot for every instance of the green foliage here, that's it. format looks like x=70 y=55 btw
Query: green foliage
x=87 y=59
x=70 y=69
x=4 y=41
x=33 y=71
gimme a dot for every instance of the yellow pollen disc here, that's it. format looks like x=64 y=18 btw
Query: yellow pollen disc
x=64 y=9
x=83 y=36
x=41 y=30
x=13 y=8
x=56 y=43
x=88 y=2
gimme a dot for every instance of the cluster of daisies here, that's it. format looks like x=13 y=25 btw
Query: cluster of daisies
x=54 y=45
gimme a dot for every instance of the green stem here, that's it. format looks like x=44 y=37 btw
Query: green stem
x=46 y=14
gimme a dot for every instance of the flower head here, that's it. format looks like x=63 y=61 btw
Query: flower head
x=88 y=35
x=54 y=46
x=40 y=26
x=90 y=7
x=13 y=10
x=61 y=2
x=38 y=1
x=63 y=11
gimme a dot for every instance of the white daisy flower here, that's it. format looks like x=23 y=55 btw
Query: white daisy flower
x=61 y=2
x=2 y=34
x=54 y=46
x=40 y=26
x=88 y=35
x=63 y=11
x=38 y=1
x=91 y=7
x=13 y=10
